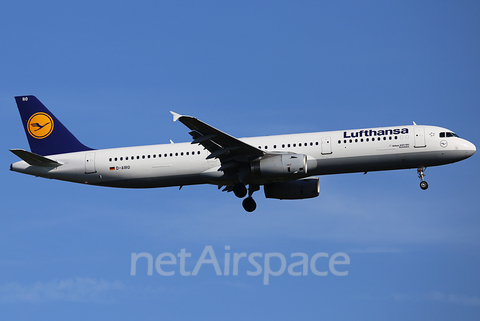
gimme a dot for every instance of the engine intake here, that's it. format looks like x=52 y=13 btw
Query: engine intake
x=280 y=165
x=293 y=190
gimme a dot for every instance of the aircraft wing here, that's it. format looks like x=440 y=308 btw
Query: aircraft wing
x=228 y=149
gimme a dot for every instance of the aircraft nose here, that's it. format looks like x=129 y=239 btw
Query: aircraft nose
x=470 y=149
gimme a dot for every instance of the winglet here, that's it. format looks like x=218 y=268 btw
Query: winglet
x=175 y=115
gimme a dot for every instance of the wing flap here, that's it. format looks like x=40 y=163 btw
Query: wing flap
x=221 y=152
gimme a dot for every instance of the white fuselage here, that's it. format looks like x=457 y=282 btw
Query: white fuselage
x=333 y=152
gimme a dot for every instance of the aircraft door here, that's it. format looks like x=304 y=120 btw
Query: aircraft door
x=326 y=145
x=90 y=163
x=420 y=137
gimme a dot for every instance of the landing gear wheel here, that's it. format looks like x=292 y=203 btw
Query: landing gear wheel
x=249 y=204
x=421 y=175
x=240 y=190
x=423 y=185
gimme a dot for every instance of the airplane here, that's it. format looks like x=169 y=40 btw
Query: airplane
x=286 y=165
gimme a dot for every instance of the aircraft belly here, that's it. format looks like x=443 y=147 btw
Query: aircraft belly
x=151 y=182
x=153 y=174
x=392 y=161
x=346 y=164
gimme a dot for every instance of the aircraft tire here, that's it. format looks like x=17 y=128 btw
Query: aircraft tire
x=239 y=190
x=423 y=185
x=249 y=204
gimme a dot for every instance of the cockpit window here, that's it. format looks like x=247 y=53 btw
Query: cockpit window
x=448 y=134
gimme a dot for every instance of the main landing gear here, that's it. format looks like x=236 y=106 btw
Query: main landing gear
x=421 y=175
x=240 y=191
x=249 y=204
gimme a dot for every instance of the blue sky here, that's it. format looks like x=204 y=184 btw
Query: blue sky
x=112 y=70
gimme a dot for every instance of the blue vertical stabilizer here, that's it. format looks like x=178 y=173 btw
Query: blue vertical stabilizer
x=45 y=133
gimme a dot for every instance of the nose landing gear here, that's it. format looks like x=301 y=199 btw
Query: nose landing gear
x=421 y=175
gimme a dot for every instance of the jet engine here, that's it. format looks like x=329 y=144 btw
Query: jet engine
x=280 y=165
x=293 y=190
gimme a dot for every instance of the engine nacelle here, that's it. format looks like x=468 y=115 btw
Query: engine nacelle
x=293 y=190
x=280 y=165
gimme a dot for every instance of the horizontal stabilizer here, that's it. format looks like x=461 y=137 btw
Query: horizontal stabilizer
x=34 y=159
